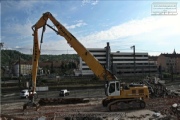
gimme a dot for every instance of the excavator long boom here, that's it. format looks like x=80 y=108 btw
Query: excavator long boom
x=89 y=59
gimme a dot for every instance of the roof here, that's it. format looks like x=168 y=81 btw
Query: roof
x=171 y=55
x=154 y=58
x=24 y=62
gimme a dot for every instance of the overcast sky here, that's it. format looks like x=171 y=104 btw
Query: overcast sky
x=122 y=23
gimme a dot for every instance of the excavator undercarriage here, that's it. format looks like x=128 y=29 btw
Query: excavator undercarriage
x=126 y=104
x=120 y=104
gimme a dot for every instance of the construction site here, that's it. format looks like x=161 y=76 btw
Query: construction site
x=147 y=98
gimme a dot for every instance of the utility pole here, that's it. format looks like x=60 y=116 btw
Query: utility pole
x=20 y=72
x=149 y=67
x=134 y=59
x=1 y=45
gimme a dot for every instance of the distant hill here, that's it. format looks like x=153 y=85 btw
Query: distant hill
x=11 y=56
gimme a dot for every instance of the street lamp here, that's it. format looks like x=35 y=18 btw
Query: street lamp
x=133 y=47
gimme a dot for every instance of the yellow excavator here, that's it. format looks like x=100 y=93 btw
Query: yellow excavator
x=119 y=96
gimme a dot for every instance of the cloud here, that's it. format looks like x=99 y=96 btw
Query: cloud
x=94 y=2
x=20 y=5
x=78 y=24
x=26 y=4
x=17 y=47
x=136 y=27
x=160 y=32
x=150 y=31
x=91 y=2
x=73 y=8
x=59 y=46
x=19 y=29
x=147 y=31
x=23 y=30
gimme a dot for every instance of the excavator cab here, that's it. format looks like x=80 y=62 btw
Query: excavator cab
x=112 y=88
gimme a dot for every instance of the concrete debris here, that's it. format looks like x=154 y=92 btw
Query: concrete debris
x=157 y=114
x=169 y=117
x=174 y=105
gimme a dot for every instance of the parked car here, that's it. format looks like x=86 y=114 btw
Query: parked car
x=64 y=92
x=25 y=93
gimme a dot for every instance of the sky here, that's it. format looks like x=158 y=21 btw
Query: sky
x=122 y=23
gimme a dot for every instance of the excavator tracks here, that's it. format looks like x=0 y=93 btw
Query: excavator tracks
x=126 y=104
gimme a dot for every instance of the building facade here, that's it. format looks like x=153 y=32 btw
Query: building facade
x=126 y=63
x=169 y=63
x=103 y=55
x=121 y=63
x=22 y=68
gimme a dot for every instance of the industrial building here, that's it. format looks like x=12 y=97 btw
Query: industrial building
x=126 y=63
x=121 y=63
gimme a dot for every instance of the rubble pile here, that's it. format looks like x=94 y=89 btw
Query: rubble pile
x=156 y=87
x=165 y=105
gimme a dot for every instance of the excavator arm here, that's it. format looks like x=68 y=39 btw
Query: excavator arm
x=89 y=59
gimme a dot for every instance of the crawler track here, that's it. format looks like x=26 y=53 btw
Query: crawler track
x=126 y=104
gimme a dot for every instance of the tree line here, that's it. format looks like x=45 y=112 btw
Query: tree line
x=69 y=61
x=11 y=56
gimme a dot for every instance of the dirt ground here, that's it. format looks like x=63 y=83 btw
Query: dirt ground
x=155 y=109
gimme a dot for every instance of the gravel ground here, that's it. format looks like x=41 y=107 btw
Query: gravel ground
x=92 y=110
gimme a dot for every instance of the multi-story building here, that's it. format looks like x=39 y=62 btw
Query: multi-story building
x=121 y=63
x=126 y=63
x=22 y=68
x=101 y=54
x=153 y=65
x=169 y=62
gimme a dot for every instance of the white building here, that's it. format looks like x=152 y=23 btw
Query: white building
x=120 y=63
x=24 y=68
x=100 y=54
x=126 y=63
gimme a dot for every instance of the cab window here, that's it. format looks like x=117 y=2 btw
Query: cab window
x=112 y=88
x=117 y=86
